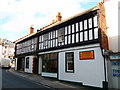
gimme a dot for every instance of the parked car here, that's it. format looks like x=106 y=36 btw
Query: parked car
x=5 y=63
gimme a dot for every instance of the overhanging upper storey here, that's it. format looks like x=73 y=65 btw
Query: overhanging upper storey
x=78 y=30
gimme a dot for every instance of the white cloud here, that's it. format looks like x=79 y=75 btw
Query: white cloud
x=22 y=13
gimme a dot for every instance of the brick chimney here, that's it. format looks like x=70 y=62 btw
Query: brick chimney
x=31 y=30
x=59 y=17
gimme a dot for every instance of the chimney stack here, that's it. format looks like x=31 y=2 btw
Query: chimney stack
x=31 y=30
x=58 y=17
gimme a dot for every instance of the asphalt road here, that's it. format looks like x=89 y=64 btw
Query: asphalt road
x=10 y=80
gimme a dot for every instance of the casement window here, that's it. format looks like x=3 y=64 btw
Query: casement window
x=61 y=35
x=27 y=62
x=85 y=24
x=90 y=22
x=71 y=34
x=69 y=62
x=50 y=62
x=95 y=21
x=45 y=40
x=32 y=44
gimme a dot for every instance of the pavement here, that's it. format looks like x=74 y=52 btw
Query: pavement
x=51 y=82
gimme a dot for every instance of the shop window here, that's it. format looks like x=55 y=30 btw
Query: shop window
x=27 y=62
x=69 y=62
x=50 y=63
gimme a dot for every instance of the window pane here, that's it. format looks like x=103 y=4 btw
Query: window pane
x=73 y=29
x=61 y=35
x=81 y=26
x=85 y=24
x=69 y=62
x=45 y=38
x=56 y=42
x=85 y=36
x=77 y=27
x=77 y=37
x=69 y=39
x=95 y=21
x=65 y=39
x=56 y=33
x=81 y=36
x=51 y=35
x=50 y=63
x=90 y=23
x=69 y=29
x=96 y=33
x=48 y=44
x=73 y=38
x=51 y=43
x=65 y=30
x=40 y=39
x=90 y=35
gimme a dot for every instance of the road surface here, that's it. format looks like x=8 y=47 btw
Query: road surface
x=10 y=80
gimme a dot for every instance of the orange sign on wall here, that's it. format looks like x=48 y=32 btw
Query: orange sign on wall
x=87 y=55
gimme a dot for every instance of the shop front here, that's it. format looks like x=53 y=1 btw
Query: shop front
x=50 y=65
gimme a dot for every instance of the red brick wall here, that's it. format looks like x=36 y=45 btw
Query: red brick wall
x=103 y=26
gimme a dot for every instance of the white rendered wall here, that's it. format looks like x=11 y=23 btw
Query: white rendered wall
x=29 y=70
x=87 y=72
x=111 y=8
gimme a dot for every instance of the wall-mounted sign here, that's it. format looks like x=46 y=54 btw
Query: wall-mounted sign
x=116 y=68
x=86 y=55
x=115 y=57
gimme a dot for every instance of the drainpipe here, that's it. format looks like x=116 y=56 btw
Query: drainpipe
x=105 y=54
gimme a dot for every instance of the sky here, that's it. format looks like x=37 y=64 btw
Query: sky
x=16 y=16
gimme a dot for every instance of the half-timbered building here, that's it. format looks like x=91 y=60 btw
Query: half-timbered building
x=70 y=49
x=25 y=51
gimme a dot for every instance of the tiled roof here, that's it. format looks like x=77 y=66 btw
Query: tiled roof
x=59 y=22
x=54 y=23
x=22 y=38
